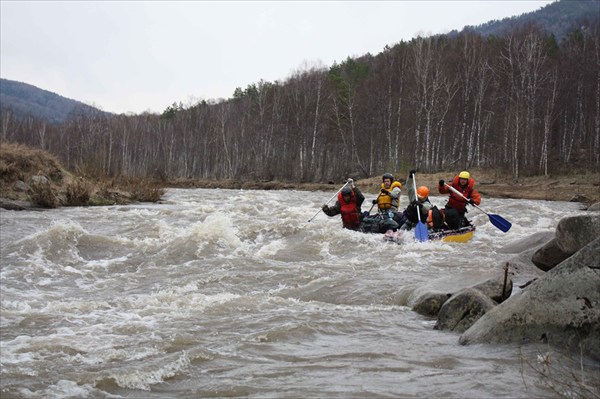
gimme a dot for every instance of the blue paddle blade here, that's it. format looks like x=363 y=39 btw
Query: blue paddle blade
x=421 y=232
x=500 y=222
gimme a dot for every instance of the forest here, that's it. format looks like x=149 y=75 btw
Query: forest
x=522 y=103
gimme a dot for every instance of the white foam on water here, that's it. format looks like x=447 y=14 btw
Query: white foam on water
x=216 y=230
x=271 y=248
x=105 y=263
x=17 y=352
x=143 y=378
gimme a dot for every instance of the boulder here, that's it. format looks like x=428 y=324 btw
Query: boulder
x=579 y=198
x=463 y=309
x=494 y=289
x=549 y=256
x=575 y=232
x=14 y=205
x=594 y=207
x=429 y=298
x=562 y=308
x=430 y=303
x=522 y=270
x=572 y=234
x=535 y=240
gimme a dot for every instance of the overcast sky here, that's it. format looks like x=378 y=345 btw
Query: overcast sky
x=142 y=56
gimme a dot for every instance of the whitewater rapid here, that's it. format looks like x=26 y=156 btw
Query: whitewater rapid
x=220 y=293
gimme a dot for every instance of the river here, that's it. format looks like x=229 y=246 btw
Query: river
x=225 y=293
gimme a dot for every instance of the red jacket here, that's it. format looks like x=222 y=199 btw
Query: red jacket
x=350 y=212
x=468 y=191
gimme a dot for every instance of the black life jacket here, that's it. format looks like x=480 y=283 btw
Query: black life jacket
x=411 y=213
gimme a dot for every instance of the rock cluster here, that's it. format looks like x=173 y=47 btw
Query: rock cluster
x=555 y=298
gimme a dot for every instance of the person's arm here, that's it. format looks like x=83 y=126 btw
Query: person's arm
x=427 y=205
x=442 y=188
x=475 y=197
x=332 y=210
x=412 y=196
x=360 y=198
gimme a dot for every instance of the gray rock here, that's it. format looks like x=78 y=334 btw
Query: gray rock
x=39 y=180
x=492 y=288
x=430 y=303
x=594 y=207
x=579 y=198
x=535 y=240
x=561 y=308
x=572 y=234
x=428 y=299
x=522 y=270
x=12 y=205
x=16 y=205
x=20 y=185
x=463 y=309
x=575 y=232
x=549 y=256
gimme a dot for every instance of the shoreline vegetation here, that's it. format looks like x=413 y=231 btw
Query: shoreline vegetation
x=33 y=178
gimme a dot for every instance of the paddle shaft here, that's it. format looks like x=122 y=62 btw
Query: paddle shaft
x=328 y=201
x=496 y=220
x=374 y=203
x=455 y=191
x=421 y=232
x=416 y=198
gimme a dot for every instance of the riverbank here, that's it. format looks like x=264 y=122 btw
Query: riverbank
x=32 y=178
x=575 y=187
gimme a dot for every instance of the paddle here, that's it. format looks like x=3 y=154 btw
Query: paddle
x=421 y=232
x=496 y=220
x=374 y=203
x=329 y=200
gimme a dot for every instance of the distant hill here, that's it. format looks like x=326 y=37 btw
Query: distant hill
x=26 y=100
x=558 y=18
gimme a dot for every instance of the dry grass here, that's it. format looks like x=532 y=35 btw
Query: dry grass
x=144 y=190
x=50 y=185
x=78 y=192
x=566 y=375
x=19 y=162
x=43 y=195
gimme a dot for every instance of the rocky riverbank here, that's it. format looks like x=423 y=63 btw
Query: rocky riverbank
x=549 y=293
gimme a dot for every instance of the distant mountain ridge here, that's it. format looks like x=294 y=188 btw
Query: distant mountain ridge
x=558 y=18
x=27 y=100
